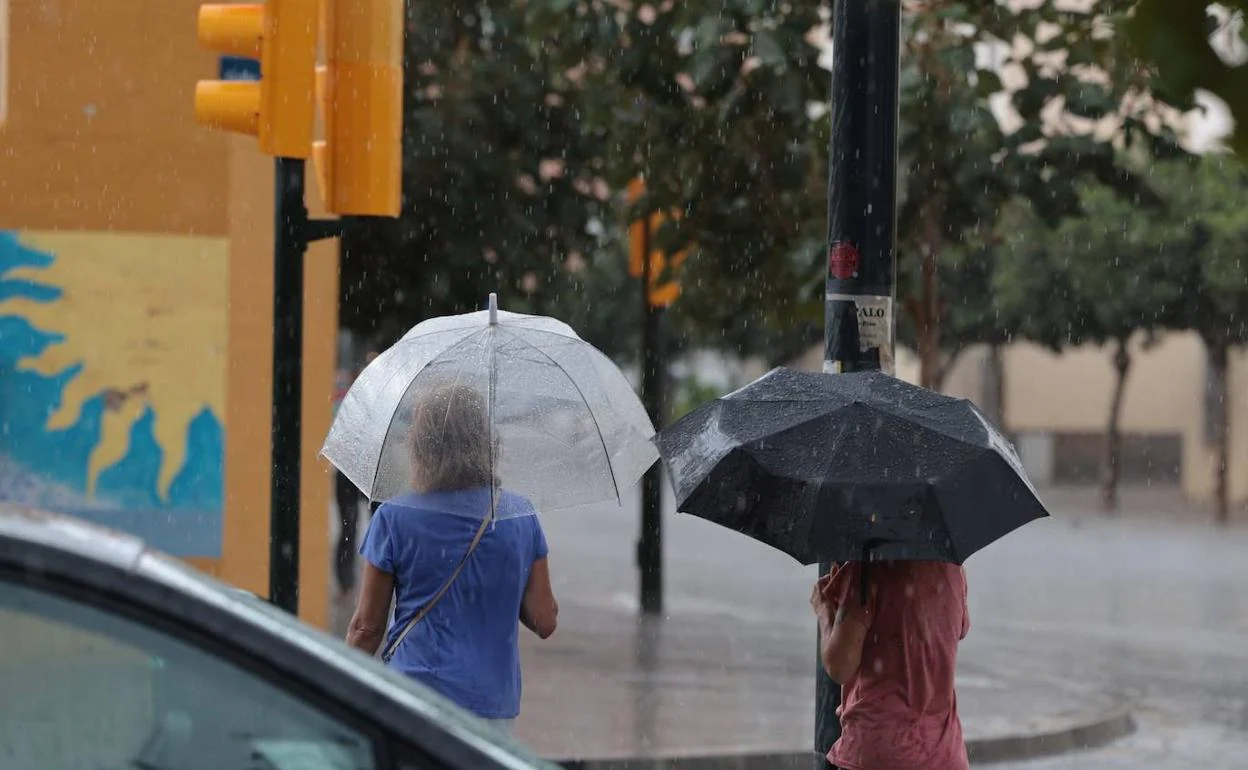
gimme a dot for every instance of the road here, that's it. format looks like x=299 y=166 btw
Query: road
x=1151 y=604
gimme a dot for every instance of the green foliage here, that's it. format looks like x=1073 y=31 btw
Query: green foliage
x=1123 y=267
x=689 y=394
x=1175 y=38
x=1206 y=236
x=962 y=170
x=710 y=103
x=1097 y=278
x=499 y=179
x=526 y=121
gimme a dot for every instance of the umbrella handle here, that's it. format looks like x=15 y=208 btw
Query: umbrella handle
x=864 y=576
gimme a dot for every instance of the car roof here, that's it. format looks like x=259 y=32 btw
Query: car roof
x=69 y=535
x=65 y=548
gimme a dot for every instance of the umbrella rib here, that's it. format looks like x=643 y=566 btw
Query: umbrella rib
x=597 y=428
x=492 y=387
x=359 y=483
x=386 y=437
x=952 y=436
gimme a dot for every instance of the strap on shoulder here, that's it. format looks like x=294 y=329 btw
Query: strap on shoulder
x=437 y=597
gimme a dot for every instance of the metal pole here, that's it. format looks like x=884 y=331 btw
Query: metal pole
x=650 y=547
x=290 y=245
x=862 y=224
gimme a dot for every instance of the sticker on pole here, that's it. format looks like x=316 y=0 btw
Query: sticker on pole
x=875 y=324
x=843 y=261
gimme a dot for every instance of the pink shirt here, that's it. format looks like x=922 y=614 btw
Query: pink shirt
x=899 y=712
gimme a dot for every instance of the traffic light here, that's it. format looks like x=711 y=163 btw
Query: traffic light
x=641 y=234
x=278 y=110
x=360 y=91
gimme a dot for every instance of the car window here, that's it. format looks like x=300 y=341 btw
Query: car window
x=85 y=688
x=407 y=691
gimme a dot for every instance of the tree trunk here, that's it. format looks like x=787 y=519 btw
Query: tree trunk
x=1113 y=432
x=1219 y=354
x=928 y=322
x=994 y=386
x=938 y=377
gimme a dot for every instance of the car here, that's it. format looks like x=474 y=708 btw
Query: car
x=116 y=657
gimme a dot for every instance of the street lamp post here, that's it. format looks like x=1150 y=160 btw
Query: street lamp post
x=862 y=224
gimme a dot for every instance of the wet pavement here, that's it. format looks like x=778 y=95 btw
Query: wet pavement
x=1156 y=745
x=606 y=686
x=1068 y=615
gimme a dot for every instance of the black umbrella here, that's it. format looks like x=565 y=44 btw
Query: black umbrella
x=849 y=467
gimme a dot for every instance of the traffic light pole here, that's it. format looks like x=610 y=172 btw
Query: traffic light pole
x=292 y=233
x=653 y=380
x=862 y=225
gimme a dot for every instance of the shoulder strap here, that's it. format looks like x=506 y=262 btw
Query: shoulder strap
x=419 y=616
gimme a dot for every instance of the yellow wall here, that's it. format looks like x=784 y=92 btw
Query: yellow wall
x=1165 y=394
x=100 y=137
x=249 y=386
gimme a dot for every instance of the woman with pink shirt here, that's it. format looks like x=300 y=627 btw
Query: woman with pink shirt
x=894 y=658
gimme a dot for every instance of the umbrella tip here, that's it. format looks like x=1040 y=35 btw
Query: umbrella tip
x=493 y=309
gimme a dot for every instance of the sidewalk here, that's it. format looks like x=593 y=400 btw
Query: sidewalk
x=613 y=692
x=608 y=687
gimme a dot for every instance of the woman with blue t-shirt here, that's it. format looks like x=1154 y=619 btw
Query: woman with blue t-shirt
x=465 y=561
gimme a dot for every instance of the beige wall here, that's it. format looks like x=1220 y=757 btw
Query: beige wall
x=1165 y=393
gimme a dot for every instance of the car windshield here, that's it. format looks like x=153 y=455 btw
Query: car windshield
x=335 y=652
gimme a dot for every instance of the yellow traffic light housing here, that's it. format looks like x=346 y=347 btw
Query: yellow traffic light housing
x=360 y=90
x=278 y=110
x=655 y=266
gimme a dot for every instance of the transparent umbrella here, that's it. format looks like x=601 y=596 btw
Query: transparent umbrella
x=518 y=400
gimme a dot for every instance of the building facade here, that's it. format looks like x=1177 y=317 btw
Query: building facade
x=136 y=283
x=1057 y=407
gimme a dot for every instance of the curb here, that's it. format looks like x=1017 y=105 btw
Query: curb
x=1110 y=726
x=1113 y=724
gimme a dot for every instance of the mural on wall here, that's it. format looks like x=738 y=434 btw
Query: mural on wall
x=112 y=381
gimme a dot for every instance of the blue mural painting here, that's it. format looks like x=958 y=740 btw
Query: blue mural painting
x=49 y=468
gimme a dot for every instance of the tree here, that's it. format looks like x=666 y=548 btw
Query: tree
x=1123 y=281
x=518 y=150
x=1193 y=46
x=1208 y=240
x=962 y=167
x=1103 y=277
x=976 y=313
x=1124 y=268
x=712 y=104
x=949 y=188
x=500 y=185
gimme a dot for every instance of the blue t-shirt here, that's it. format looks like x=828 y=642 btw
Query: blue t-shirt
x=467 y=648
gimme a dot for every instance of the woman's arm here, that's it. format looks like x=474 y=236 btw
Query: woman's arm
x=539 y=612
x=368 y=624
x=843 y=624
x=840 y=645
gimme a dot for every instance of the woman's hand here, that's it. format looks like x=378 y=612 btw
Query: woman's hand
x=367 y=629
x=824 y=609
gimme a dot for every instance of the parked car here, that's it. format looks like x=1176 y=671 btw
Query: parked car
x=115 y=657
